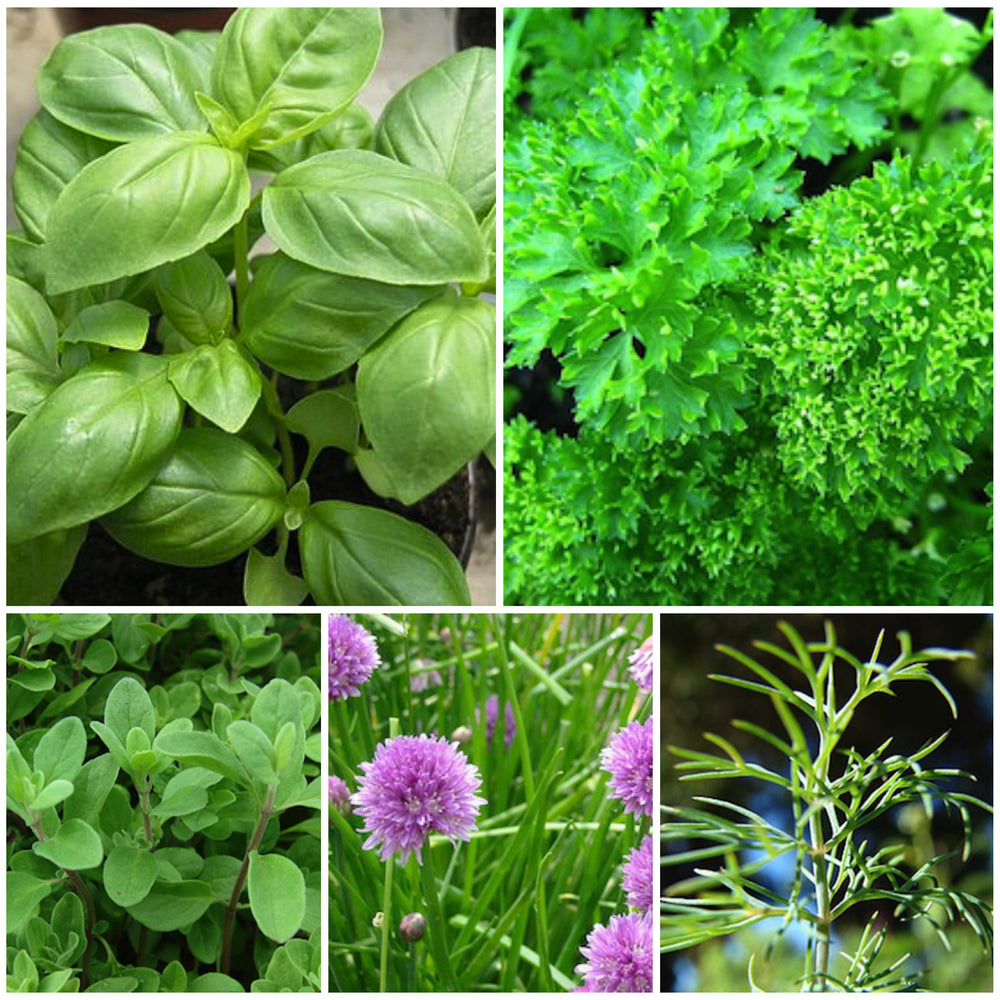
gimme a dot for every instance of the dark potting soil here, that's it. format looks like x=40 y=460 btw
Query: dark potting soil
x=108 y=575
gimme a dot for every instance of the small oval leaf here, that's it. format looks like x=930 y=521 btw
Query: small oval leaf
x=277 y=893
x=129 y=874
x=75 y=846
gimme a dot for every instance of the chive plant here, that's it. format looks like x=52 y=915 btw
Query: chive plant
x=516 y=711
x=831 y=794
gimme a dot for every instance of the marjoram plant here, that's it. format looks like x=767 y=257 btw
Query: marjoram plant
x=163 y=837
x=830 y=794
x=187 y=417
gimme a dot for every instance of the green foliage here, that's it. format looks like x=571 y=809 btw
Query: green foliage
x=830 y=795
x=125 y=338
x=138 y=819
x=755 y=374
x=509 y=910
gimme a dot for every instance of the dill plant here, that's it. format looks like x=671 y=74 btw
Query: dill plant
x=715 y=849
x=757 y=256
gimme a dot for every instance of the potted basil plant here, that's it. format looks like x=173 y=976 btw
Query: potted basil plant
x=187 y=416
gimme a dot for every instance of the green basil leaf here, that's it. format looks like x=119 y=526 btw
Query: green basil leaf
x=426 y=394
x=360 y=555
x=196 y=298
x=130 y=707
x=218 y=382
x=277 y=892
x=91 y=446
x=267 y=581
x=121 y=82
x=49 y=155
x=254 y=750
x=444 y=122
x=327 y=419
x=143 y=204
x=114 y=324
x=129 y=874
x=60 y=751
x=355 y=212
x=202 y=750
x=300 y=65
x=75 y=846
x=52 y=794
x=24 y=893
x=352 y=128
x=312 y=324
x=169 y=906
x=214 y=497
x=32 y=358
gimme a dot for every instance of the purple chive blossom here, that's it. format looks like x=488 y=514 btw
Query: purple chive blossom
x=641 y=665
x=493 y=714
x=339 y=793
x=415 y=786
x=628 y=758
x=619 y=957
x=422 y=679
x=353 y=657
x=637 y=877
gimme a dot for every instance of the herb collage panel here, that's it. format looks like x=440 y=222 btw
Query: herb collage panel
x=748 y=365
x=646 y=647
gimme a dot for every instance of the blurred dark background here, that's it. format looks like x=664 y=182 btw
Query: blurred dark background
x=691 y=705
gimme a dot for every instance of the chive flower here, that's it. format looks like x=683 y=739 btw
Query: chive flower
x=641 y=665
x=619 y=957
x=493 y=715
x=637 y=876
x=416 y=786
x=339 y=794
x=352 y=658
x=628 y=758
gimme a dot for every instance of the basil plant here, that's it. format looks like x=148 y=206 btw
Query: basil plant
x=186 y=415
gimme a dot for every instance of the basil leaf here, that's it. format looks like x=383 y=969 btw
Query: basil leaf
x=311 y=324
x=49 y=155
x=444 y=122
x=38 y=568
x=360 y=555
x=143 y=204
x=114 y=324
x=267 y=581
x=354 y=212
x=196 y=298
x=426 y=394
x=213 y=498
x=32 y=358
x=328 y=418
x=121 y=82
x=90 y=446
x=299 y=65
x=218 y=382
